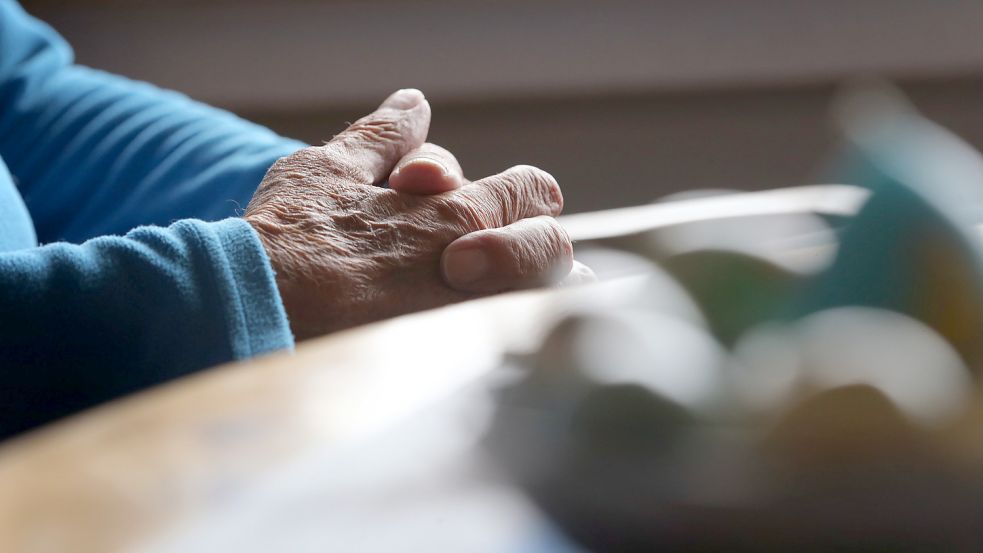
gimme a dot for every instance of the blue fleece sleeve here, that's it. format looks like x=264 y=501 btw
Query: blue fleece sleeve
x=93 y=317
x=85 y=323
x=98 y=154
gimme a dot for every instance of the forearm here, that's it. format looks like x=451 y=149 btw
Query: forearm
x=84 y=324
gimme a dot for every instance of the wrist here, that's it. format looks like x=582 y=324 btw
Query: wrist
x=269 y=233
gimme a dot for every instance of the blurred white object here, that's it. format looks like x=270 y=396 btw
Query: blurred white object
x=771 y=237
x=905 y=359
x=673 y=358
x=651 y=289
x=827 y=199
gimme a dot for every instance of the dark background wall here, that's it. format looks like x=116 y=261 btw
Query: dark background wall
x=624 y=100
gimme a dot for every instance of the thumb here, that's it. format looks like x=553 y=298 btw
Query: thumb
x=376 y=142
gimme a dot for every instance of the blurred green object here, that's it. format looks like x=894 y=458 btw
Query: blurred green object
x=735 y=291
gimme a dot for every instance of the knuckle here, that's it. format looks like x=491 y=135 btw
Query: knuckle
x=556 y=237
x=279 y=166
x=512 y=256
x=292 y=165
x=539 y=187
x=531 y=248
x=548 y=251
x=305 y=157
x=341 y=162
x=380 y=127
x=313 y=164
x=507 y=198
x=463 y=212
x=522 y=259
x=502 y=247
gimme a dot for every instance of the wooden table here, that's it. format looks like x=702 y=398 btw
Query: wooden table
x=360 y=441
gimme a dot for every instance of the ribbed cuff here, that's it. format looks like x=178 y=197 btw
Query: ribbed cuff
x=256 y=314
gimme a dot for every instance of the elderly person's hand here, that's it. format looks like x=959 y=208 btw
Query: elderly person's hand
x=347 y=252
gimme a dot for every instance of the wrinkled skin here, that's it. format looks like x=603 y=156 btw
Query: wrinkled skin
x=347 y=252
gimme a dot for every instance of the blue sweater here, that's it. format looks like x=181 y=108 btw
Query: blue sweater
x=144 y=273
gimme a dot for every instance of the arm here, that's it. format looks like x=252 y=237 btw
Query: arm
x=115 y=153
x=81 y=324
x=85 y=323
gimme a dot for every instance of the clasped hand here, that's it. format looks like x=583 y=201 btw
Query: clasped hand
x=347 y=251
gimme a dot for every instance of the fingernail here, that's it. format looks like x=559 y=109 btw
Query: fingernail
x=405 y=98
x=424 y=160
x=465 y=266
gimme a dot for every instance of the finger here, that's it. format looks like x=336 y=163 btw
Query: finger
x=525 y=254
x=518 y=193
x=579 y=274
x=371 y=146
x=428 y=169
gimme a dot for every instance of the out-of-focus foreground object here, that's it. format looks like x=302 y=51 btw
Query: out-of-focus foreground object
x=818 y=407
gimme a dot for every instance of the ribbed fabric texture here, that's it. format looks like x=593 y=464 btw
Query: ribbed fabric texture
x=102 y=310
x=85 y=323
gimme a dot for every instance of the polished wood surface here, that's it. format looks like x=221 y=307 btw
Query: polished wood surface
x=190 y=465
